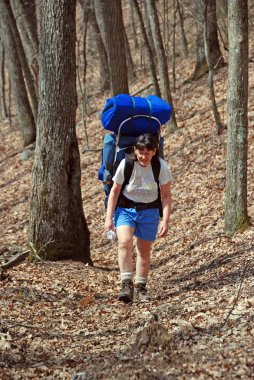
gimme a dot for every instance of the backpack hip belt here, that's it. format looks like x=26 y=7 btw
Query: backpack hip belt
x=124 y=202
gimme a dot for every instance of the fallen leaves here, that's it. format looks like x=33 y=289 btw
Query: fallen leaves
x=86 y=301
x=59 y=319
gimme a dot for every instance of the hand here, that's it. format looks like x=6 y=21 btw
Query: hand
x=109 y=225
x=163 y=229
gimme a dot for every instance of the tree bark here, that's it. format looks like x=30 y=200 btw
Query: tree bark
x=201 y=66
x=25 y=116
x=99 y=7
x=148 y=47
x=27 y=73
x=148 y=28
x=162 y=60
x=3 y=109
x=104 y=68
x=222 y=12
x=184 y=45
x=174 y=46
x=236 y=215
x=114 y=29
x=57 y=229
x=129 y=61
x=133 y=26
x=215 y=55
x=26 y=19
x=217 y=119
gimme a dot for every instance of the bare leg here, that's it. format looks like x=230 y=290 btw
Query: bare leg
x=143 y=257
x=125 y=248
x=125 y=252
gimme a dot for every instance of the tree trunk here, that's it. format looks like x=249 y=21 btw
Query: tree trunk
x=148 y=27
x=58 y=229
x=162 y=60
x=104 y=68
x=218 y=123
x=25 y=15
x=174 y=47
x=114 y=29
x=201 y=66
x=222 y=13
x=133 y=26
x=25 y=116
x=212 y=35
x=148 y=47
x=3 y=109
x=99 y=7
x=129 y=61
x=184 y=44
x=236 y=216
x=27 y=73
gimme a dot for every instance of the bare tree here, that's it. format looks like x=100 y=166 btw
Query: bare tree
x=3 y=109
x=24 y=112
x=222 y=12
x=114 y=29
x=57 y=229
x=99 y=7
x=31 y=85
x=162 y=60
x=184 y=45
x=215 y=55
x=148 y=47
x=201 y=66
x=133 y=26
x=129 y=61
x=148 y=29
x=25 y=15
x=104 y=68
x=218 y=123
x=236 y=215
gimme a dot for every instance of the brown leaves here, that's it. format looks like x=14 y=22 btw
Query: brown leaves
x=86 y=301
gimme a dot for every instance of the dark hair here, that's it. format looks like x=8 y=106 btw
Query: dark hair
x=148 y=141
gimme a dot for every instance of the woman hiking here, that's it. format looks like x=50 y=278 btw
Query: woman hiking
x=133 y=210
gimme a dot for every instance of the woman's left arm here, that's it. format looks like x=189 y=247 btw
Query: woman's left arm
x=166 y=208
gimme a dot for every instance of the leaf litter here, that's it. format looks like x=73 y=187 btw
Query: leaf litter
x=62 y=320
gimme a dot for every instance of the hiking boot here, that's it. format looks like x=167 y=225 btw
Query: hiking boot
x=126 y=293
x=141 y=292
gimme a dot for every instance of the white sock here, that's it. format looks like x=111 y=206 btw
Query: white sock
x=126 y=276
x=140 y=280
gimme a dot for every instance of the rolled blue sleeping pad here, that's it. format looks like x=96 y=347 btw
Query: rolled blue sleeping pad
x=121 y=107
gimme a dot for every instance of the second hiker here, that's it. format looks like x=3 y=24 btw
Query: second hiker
x=134 y=210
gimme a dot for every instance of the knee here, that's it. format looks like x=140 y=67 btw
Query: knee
x=125 y=245
x=143 y=254
x=143 y=249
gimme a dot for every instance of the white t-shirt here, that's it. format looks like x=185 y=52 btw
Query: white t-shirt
x=142 y=187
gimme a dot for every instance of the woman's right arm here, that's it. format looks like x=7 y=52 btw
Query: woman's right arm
x=112 y=201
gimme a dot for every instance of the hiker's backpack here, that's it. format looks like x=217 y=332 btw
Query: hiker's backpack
x=129 y=117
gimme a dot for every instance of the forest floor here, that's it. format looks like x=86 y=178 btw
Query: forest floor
x=62 y=319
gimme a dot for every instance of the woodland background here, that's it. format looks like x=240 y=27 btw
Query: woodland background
x=62 y=319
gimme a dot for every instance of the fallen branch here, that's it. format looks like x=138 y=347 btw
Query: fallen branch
x=12 y=263
x=142 y=89
x=90 y=150
x=237 y=296
x=17 y=151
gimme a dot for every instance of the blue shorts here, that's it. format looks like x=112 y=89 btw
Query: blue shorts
x=144 y=222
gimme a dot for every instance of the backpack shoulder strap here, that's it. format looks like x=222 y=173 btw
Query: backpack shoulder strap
x=128 y=169
x=156 y=166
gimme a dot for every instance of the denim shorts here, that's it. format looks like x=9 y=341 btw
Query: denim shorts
x=144 y=222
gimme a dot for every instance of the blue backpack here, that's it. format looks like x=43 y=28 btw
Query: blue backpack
x=129 y=117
